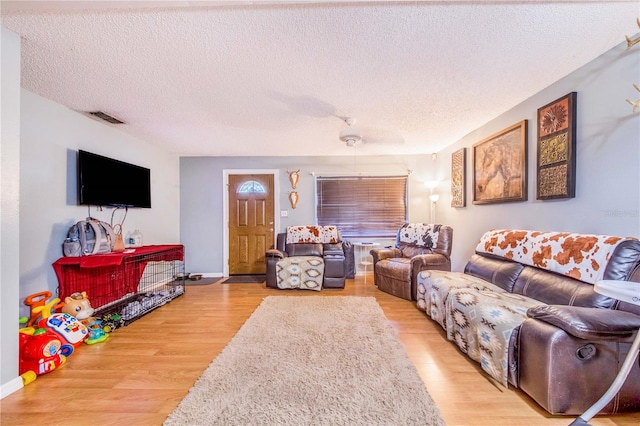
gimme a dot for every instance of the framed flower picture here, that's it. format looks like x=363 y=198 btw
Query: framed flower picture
x=556 y=151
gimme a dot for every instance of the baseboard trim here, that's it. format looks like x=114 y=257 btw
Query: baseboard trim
x=10 y=387
x=209 y=274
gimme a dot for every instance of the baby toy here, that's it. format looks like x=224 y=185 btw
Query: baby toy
x=39 y=306
x=67 y=327
x=77 y=305
x=41 y=351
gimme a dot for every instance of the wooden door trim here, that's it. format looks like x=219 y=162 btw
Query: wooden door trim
x=225 y=207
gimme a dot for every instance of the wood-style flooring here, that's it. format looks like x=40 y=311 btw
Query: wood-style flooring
x=139 y=375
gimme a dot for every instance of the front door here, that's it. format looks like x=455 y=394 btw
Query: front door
x=251 y=217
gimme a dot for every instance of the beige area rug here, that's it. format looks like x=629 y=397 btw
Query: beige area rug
x=304 y=360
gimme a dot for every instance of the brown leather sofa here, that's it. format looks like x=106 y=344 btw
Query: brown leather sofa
x=571 y=342
x=338 y=260
x=395 y=270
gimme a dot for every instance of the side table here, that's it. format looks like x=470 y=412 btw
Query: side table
x=363 y=256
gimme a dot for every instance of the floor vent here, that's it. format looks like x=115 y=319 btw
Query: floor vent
x=106 y=117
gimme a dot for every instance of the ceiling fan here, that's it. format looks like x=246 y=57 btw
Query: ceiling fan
x=350 y=135
x=353 y=135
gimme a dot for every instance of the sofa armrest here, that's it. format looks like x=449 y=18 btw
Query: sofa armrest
x=588 y=323
x=380 y=254
x=275 y=253
x=427 y=261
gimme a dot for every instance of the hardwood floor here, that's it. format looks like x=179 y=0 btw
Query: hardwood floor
x=139 y=375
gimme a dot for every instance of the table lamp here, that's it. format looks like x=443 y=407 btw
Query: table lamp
x=626 y=291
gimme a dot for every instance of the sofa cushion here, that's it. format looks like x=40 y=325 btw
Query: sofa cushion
x=304 y=249
x=434 y=288
x=500 y=272
x=481 y=323
x=554 y=289
x=478 y=316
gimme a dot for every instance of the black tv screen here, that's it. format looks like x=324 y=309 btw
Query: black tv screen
x=103 y=181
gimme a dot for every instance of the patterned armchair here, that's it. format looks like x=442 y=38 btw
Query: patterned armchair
x=418 y=247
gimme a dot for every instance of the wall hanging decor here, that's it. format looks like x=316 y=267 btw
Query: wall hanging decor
x=294 y=177
x=556 y=163
x=635 y=105
x=631 y=42
x=458 y=178
x=293 y=198
x=500 y=166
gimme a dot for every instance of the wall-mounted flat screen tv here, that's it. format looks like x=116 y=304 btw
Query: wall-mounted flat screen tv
x=104 y=181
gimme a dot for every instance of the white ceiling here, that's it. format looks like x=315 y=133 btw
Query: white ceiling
x=229 y=78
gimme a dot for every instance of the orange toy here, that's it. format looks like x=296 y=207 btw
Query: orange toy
x=39 y=308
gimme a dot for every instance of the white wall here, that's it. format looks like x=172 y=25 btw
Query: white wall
x=201 y=194
x=9 y=210
x=608 y=161
x=51 y=136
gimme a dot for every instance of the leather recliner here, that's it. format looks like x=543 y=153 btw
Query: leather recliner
x=395 y=270
x=338 y=260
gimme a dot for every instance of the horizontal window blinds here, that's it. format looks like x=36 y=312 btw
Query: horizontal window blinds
x=363 y=206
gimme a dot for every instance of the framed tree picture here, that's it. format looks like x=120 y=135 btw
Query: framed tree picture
x=500 y=166
x=458 y=178
x=556 y=163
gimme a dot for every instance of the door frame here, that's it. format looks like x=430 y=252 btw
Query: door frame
x=225 y=207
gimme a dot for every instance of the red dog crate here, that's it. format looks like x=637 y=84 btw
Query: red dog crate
x=124 y=286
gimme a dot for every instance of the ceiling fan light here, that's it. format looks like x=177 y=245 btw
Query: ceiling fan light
x=350 y=136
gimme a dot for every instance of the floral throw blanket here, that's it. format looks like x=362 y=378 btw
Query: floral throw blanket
x=312 y=234
x=303 y=272
x=580 y=256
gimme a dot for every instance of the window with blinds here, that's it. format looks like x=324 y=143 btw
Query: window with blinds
x=362 y=206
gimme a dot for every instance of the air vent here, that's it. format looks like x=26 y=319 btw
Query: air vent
x=106 y=117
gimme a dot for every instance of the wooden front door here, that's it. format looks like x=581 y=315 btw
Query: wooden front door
x=251 y=216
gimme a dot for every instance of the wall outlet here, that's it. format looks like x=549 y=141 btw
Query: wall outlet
x=284 y=213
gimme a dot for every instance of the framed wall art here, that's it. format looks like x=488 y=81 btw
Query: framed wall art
x=458 y=178
x=556 y=163
x=500 y=166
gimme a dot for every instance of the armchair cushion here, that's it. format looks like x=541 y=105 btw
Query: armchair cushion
x=305 y=249
x=411 y=251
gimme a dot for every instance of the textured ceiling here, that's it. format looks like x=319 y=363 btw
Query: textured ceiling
x=274 y=78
